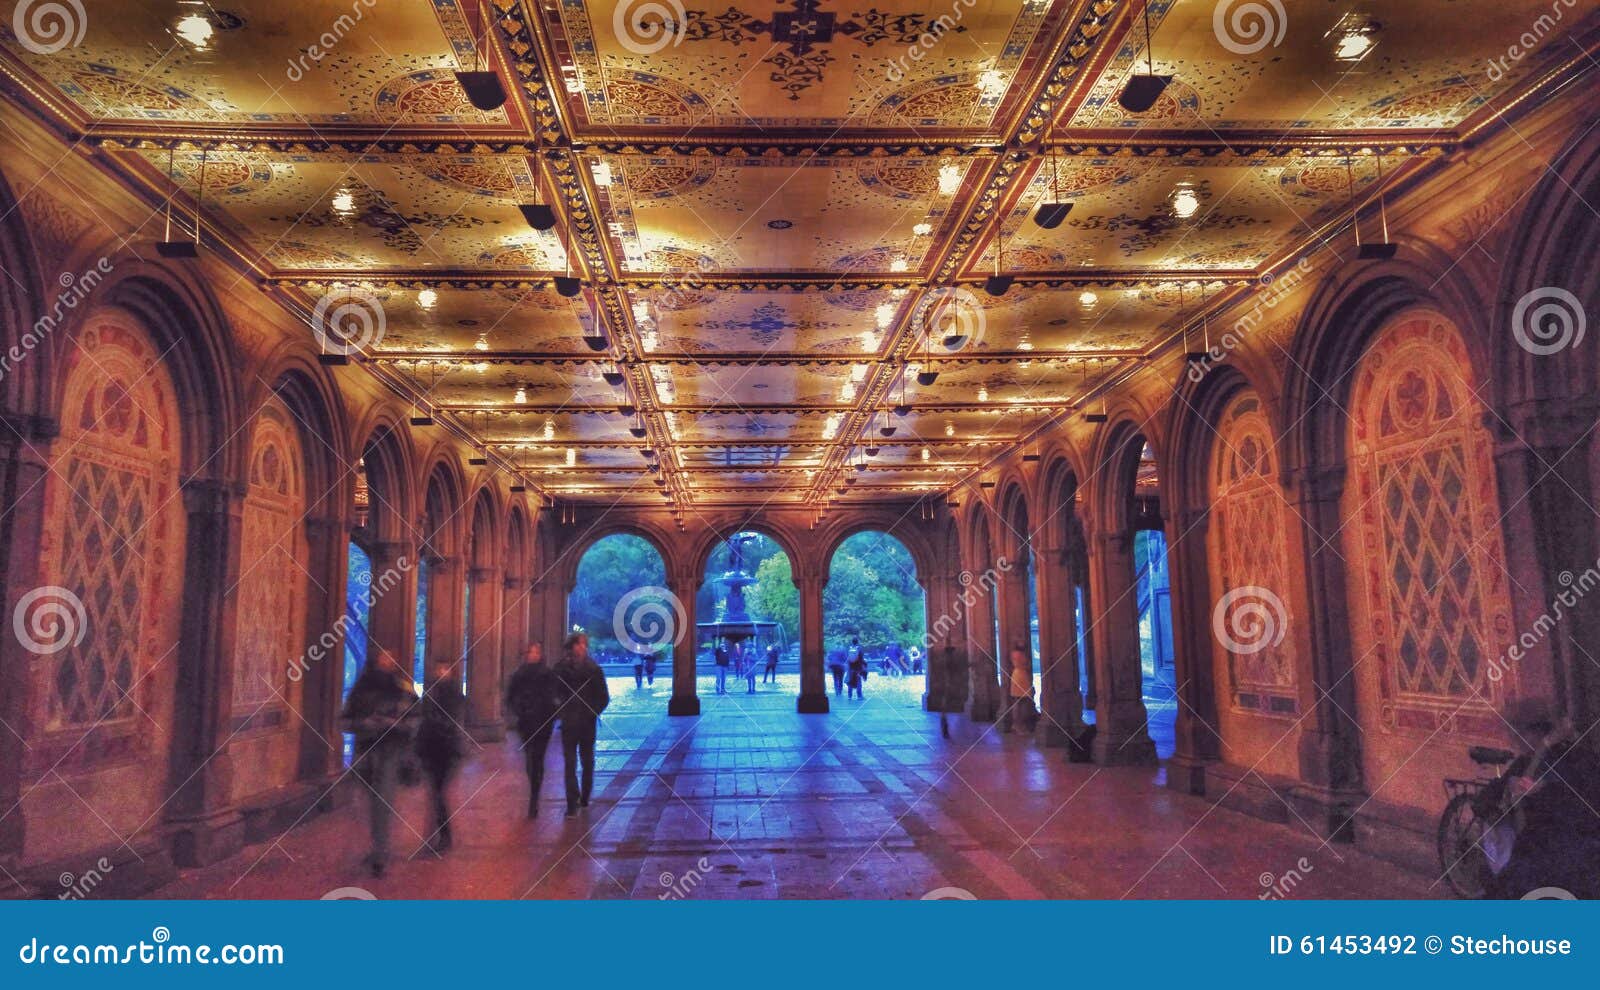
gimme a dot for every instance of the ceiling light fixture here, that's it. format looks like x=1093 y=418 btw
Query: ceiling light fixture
x=1143 y=89
x=482 y=86
x=521 y=396
x=1372 y=250
x=1353 y=36
x=1051 y=214
x=998 y=284
x=169 y=248
x=1185 y=200
x=195 y=30
x=482 y=343
x=427 y=298
x=922 y=229
x=612 y=375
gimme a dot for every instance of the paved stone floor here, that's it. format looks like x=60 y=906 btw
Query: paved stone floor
x=754 y=801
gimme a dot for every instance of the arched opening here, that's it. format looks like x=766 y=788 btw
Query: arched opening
x=874 y=621
x=747 y=629
x=1153 y=600
x=1019 y=615
x=620 y=599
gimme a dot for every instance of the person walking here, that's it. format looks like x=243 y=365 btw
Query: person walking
x=650 y=662
x=584 y=695
x=1022 y=715
x=380 y=712
x=857 y=670
x=722 y=667
x=770 y=674
x=836 y=668
x=441 y=744
x=531 y=699
x=750 y=676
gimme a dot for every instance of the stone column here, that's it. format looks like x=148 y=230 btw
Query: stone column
x=1015 y=628
x=321 y=670
x=446 y=623
x=483 y=654
x=813 y=678
x=1330 y=741
x=391 y=621
x=1060 y=699
x=514 y=631
x=685 y=690
x=204 y=822
x=981 y=589
x=1121 y=734
x=24 y=467
x=1196 y=744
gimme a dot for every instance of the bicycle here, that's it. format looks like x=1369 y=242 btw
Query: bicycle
x=1475 y=807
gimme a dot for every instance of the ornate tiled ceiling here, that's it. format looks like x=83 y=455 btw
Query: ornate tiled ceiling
x=767 y=206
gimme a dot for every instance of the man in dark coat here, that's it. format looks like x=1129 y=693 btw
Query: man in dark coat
x=381 y=712
x=531 y=699
x=441 y=743
x=584 y=695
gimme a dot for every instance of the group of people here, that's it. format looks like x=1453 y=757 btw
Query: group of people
x=849 y=669
x=402 y=739
x=744 y=665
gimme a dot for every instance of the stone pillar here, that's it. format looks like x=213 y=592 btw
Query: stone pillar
x=24 y=467
x=685 y=689
x=518 y=599
x=205 y=825
x=1196 y=744
x=1060 y=699
x=446 y=623
x=1121 y=734
x=322 y=671
x=1015 y=628
x=483 y=654
x=549 y=615
x=981 y=589
x=391 y=622
x=1330 y=740
x=813 y=678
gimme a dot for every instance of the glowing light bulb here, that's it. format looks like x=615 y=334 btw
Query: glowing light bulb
x=482 y=343
x=427 y=298
x=925 y=455
x=521 y=396
x=344 y=202
x=983 y=393
x=949 y=179
x=1088 y=300
x=885 y=314
x=549 y=429
x=572 y=457
x=1185 y=202
x=922 y=229
x=898 y=265
x=992 y=84
x=195 y=30
x=949 y=429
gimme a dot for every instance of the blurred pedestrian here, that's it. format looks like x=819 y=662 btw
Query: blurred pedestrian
x=441 y=744
x=584 y=695
x=531 y=700
x=380 y=712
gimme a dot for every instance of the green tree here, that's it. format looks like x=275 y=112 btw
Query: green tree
x=774 y=595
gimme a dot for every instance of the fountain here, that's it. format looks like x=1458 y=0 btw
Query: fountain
x=733 y=622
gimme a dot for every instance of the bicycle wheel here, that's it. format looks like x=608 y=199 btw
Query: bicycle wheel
x=1461 y=856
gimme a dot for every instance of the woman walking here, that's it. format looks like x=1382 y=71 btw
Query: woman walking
x=441 y=743
x=380 y=711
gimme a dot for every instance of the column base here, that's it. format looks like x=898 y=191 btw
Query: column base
x=1131 y=749
x=684 y=704
x=1186 y=775
x=203 y=841
x=812 y=704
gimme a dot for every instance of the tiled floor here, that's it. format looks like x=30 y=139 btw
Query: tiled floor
x=753 y=801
